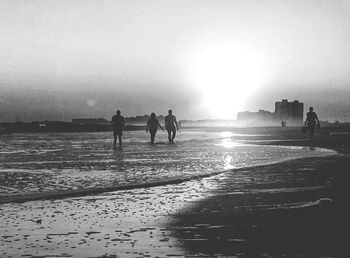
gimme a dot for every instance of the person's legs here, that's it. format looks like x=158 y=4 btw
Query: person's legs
x=311 y=129
x=120 y=140
x=312 y=133
x=153 y=135
x=114 y=140
x=173 y=136
x=169 y=135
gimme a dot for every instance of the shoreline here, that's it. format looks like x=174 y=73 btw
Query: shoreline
x=208 y=216
x=93 y=191
x=305 y=218
x=237 y=227
x=294 y=208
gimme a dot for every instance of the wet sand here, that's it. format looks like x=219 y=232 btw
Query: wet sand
x=294 y=208
x=304 y=215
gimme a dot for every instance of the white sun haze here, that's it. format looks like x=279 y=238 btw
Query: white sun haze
x=226 y=76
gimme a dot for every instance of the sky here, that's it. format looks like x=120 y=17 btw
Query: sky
x=204 y=59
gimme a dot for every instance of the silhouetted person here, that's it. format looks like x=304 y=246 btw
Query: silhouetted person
x=310 y=122
x=152 y=126
x=117 y=123
x=171 y=126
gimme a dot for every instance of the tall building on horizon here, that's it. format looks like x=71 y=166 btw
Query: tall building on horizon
x=291 y=112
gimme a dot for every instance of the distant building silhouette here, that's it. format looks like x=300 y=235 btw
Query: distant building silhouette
x=291 y=113
x=90 y=121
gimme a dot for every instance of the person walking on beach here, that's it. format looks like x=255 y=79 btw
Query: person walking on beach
x=310 y=122
x=152 y=126
x=171 y=126
x=117 y=123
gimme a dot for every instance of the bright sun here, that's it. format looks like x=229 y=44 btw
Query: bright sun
x=226 y=76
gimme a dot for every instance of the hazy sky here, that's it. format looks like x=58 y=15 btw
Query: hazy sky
x=204 y=59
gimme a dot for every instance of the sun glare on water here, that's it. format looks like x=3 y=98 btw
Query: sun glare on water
x=226 y=77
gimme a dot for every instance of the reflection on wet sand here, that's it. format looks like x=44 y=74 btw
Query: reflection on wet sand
x=33 y=165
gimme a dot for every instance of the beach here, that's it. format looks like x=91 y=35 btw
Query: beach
x=293 y=206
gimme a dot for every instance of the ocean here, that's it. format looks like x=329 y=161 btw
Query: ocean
x=44 y=164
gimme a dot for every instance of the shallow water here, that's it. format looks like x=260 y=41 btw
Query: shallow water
x=51 y=162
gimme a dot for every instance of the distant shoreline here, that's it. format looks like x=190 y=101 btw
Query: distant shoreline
x=69 y=127
x=59 y=127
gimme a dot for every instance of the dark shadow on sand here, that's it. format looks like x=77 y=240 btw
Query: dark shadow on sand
x=254 y=217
